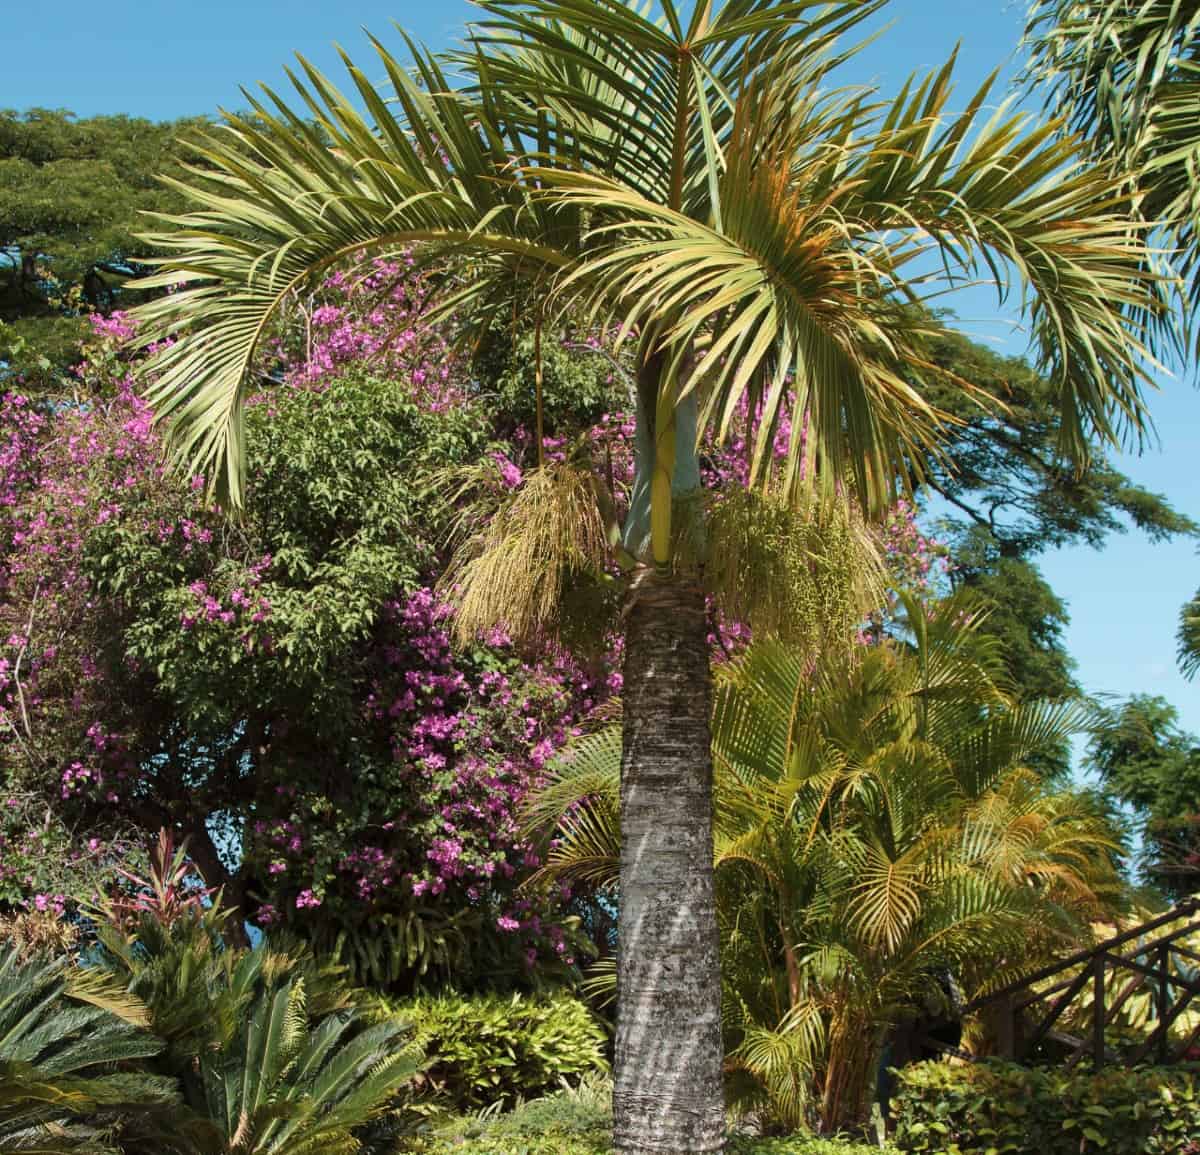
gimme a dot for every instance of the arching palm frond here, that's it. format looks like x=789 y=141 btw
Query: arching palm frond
x=284 y=195
x=783 y=1059
x=580 y=804
x=820 y=224
x=691 y=178
x=1127 y=77
x=888 y=834
x=648 y=97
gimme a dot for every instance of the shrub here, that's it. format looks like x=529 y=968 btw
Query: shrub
x=488 y=1049
x=995 y=1107
x=38 y=932
x=578 y=1121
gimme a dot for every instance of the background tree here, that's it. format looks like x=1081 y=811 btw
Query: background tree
x=71 y=195
x=1127 y=76
x=1143 y=757
x=1010 y=496
x=164 y=666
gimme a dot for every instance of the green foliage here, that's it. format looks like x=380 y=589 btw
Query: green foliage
x=1003 y=472
x=1146 y=761
x=1025 y=615
x=579 y=382
x=272 y=1052
x=877 y=828
x=493 y=1142
x=41 y=854
x=578 y=1121
x=997 y=1109
x=337 y=505
x=801 y=1145
x=1008 y=496
x=71 y=194
x=1189 y=637
x=72 y=1049
x=489 y=1049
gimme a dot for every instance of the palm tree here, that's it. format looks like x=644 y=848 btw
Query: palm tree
x=878 y=831
x=890 y=815
x=687 y=179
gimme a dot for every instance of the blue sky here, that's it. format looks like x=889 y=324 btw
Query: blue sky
x=166 y=58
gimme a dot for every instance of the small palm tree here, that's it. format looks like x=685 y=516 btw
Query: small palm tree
x=890 y=814
x=877 y=831
x=687 y=177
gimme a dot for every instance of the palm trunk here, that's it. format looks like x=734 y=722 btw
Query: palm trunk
x=667 y=1098
x=848 y=1073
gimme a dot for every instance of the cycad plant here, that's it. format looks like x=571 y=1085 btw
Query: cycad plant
x=879 y=839
x=283 y=1083
x=72 y=1047
x=271 y=1051
x=691 y=180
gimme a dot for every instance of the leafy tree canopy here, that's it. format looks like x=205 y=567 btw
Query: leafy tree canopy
x=1010 y=496
x=71 y=197
x=1003 y=472
x=1144 y=758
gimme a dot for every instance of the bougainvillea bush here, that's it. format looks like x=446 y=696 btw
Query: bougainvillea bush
x=283 y=689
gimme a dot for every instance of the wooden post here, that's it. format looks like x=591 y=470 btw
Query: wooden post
x=1098 y=1015
x=1164 y=1000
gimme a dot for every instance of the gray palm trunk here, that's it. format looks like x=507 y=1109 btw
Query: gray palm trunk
x=667 y=1098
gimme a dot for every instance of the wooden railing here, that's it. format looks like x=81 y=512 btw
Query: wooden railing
x=1027 y=1017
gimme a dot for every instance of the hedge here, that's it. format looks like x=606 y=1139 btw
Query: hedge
x=998 y=1108
x=484 y=1050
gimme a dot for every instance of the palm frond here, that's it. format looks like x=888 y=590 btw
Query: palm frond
x=514 y=571
x=1127 y=77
